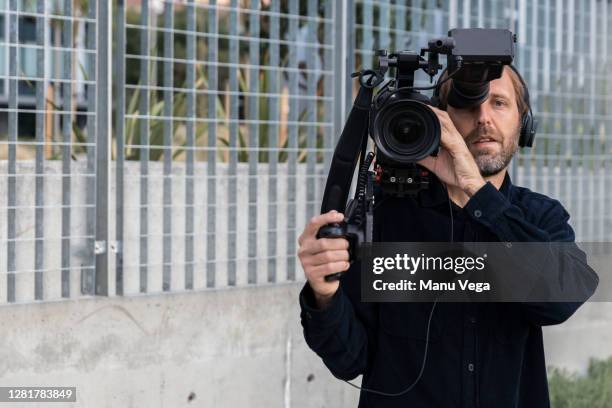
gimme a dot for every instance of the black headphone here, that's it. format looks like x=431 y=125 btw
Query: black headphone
x=529 y=125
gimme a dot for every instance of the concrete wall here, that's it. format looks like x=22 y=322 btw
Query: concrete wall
x=224 y=348
x=588 y=333
x=238 y=347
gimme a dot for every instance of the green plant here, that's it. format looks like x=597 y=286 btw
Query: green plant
x=592 y=390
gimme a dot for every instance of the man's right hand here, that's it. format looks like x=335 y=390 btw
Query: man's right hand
x=321 y=257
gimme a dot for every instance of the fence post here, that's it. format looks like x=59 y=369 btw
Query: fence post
x=343 y=49
x=103 y=142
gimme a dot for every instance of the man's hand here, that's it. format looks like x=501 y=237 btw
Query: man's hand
x=321 y=257
x=454 y=164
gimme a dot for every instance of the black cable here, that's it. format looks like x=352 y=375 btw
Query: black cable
x=360 y=191
x=433 y=307
x=450 y=211
x=414 y=88
x=397 y=394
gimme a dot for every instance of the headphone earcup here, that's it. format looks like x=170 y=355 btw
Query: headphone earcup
x=528 y=130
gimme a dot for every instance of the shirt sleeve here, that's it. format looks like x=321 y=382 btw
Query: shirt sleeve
x=342 y=333
x=564 y=269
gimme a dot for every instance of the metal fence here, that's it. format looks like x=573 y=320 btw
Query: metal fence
x=53 y=146
x=224 y=117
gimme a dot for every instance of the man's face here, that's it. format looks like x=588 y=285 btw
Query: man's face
x=491 y=130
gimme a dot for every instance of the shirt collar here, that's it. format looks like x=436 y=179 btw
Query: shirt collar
x=436 y=193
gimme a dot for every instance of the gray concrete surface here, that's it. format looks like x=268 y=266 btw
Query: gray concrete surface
x=225 y=348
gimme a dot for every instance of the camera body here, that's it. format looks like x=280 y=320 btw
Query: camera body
x=403 y=127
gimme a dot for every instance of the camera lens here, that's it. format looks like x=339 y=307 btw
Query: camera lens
x=465 y=95
x=405 y=130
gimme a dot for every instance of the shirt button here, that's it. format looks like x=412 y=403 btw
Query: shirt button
x=471 y=368
x=477 y=213
x=308 y=315
x=472 y=319
x=508 y=245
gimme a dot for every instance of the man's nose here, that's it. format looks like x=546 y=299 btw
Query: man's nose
x=482 y=114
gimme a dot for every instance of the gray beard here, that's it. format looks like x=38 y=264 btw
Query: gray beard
x=490 y=165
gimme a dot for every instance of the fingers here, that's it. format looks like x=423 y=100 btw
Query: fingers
x=320 y=247
x=318 y=273
x=313 y=247
x=326 y=257
x=317 y=222
x=450 y=139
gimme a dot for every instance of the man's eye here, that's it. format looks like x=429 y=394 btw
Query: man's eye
x=500 y=102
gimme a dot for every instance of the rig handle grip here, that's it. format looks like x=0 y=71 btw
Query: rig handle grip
x=335 y=230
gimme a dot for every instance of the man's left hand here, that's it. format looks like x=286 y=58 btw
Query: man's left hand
x=454 y=164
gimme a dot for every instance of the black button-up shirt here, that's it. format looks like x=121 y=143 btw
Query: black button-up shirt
x=479 y=354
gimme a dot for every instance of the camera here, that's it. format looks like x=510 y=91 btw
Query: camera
x=402 y=124
x=403 y=127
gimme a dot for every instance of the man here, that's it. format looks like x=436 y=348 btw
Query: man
x=478 y=354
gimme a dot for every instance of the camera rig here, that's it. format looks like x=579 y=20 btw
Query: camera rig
x=403 y=128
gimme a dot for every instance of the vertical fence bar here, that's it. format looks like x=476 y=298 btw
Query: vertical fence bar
x=311 y=111
x=340 y=52
x=400 y=24
x=480 y=17
x=120 y=140
x=66 y=150
x=367 y=42
x=608 y=142
x=144 y=144
x=561 y=104
x=211 y=223
x=328 y=90
x=253 y=107
x=495 y=21
x=593 y=171
x=579 y=143
x=465 y=22
x=433 y=25
x=292 y=141
x=233 y=144
x=40 y=140
x=385 y=25
x=416 y=23
x=453 y=14
x=273 y=128
x=168 y=128
x=534 y=94
x=558 y=104
x=574 y=128
x=567 y=170
x=189 y=151
x=601 y=132
x=350 y=58
x=521 y=30
x=88 y=274
x=547 y=176
x=103 y=140
x=12 y=153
